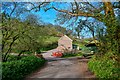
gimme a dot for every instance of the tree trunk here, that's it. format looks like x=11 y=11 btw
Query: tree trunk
x=21 y=52
x=10 y=46
x=108 y=8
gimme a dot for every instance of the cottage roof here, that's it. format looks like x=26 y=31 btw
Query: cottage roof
x=65 y=37
x=92 y=43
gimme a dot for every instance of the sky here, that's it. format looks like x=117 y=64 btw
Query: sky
x=50 y=16
x=47 y=17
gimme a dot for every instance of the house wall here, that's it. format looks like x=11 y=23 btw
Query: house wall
x=67 y=44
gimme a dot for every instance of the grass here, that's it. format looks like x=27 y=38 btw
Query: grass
x=49 y=43
x=50 y=39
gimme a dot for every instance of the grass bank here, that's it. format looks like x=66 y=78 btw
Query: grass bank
x=104 y=67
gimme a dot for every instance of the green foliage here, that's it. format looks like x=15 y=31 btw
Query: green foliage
x=71 y=55
x=50 y=46
x=14 y=58
x=111 y=40
x=80 y=43
x=21 y=37
x=50 y=42
x=105 y=64
x=16 y=70
x=104 y=67
x=0 y=70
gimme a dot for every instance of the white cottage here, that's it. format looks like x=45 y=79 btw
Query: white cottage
x=65 y=43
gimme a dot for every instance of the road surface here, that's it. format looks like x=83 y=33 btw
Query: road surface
x=62 y=68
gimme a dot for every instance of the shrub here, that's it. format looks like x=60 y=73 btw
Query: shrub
x=16 y=70
x=104 y=67
x=72 y=54
x=14 y=57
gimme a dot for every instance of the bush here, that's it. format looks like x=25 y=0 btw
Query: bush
x=16 y=70
x=14 y=57
x=104 y=67
x=71 y=54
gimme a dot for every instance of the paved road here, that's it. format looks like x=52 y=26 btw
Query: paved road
x=62 y=68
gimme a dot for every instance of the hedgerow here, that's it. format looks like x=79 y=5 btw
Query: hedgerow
x=17 y=70
x=105 y=67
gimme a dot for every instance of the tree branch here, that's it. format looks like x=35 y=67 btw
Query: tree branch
x=15 y=5
x=35 y=7
x=75 y=14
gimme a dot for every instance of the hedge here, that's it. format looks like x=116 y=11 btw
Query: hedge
x=104 y=68
x=14 y=58
x=17 y=70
